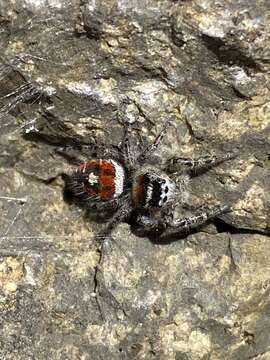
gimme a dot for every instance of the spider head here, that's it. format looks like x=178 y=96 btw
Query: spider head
x=152 y=189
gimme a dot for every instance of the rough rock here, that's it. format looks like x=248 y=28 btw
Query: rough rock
x=80 y=70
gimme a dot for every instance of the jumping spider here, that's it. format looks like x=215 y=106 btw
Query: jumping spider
x=123 y=182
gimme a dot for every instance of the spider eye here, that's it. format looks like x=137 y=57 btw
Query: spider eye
x=152 y=190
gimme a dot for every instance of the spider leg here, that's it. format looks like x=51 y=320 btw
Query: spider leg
x=186 y=224
x=123 y=212
x=95 y=150
x=168 y=227
x=146 y=222
x=70 y=153
x=126 y=150
x=148 y=151
x=196 y=165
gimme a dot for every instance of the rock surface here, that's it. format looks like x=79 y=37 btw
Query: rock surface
x=81 y=69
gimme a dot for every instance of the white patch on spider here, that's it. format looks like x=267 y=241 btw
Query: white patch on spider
x=92 y=179
x=119 y=178
x=169 y=194
x=149 y=193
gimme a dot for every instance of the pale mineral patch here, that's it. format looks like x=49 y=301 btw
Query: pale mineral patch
x=240 y=172
x=174 y=339
x=81 y=264
x=255 y=116
x=29 y=275
x=103 y=89
x=149 y=92
x=43 y=3
x=259 y=115
x=91 y=5
x=11 y=273
x=148 y=299
x=122 y=272
x=253 y=269
x=109 y=334
x=253 y=201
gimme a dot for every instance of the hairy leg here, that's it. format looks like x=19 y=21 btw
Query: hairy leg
x=147 y=223
x=186 y=224
x=72 y=154
x=78 y=154
x=123 y=212
x=126 y=149
x=167 y=226
x=143 y=157
x=195 y=165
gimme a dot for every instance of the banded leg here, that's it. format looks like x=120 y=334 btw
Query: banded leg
x=147 y=223
x=152 y=147
x=187 y=224
x=195 y=165
x=126 y=149
x=123 y=212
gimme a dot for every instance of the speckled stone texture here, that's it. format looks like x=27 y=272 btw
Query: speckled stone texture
x=81 y=69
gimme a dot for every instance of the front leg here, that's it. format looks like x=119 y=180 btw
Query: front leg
x=186 y=224
x=197 y=165
x=77 y=154
x=144 y=156
x=146 y=223
x=74 y=154
x=167 y=227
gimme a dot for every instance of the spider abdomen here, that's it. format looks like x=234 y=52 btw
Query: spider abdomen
x=152 y=190
x=98 y=179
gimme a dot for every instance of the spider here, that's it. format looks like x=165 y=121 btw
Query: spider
x=123 y=183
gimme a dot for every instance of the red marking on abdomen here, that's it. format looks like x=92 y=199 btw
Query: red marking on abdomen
x=104 y=170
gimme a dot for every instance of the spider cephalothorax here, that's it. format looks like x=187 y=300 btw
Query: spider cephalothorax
x=152 y=189
x=124 y=182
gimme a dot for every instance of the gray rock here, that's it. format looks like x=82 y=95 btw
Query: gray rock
x=80 y=70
